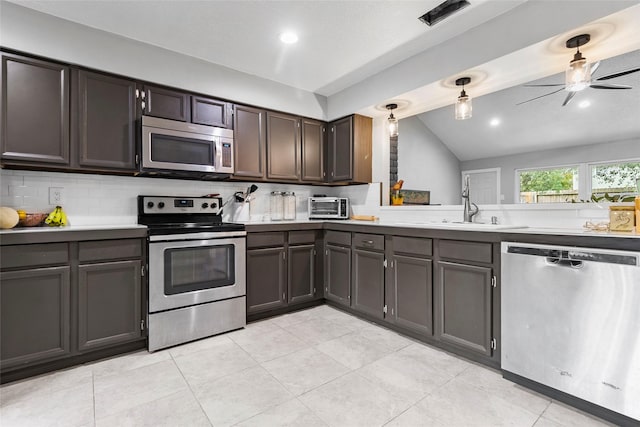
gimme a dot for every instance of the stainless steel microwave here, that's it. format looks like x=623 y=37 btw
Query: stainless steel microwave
x=328 y=208
x=172 y=146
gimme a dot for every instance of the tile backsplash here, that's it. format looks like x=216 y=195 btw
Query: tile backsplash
x=105 y=199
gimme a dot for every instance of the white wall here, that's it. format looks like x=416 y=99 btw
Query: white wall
x=425 y=163
x=608 y=151
x=41 y=34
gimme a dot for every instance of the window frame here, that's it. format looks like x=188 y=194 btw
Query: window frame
x=585 y=169
x=578 y=166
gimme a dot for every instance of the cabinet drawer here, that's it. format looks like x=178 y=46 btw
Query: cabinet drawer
x=412 y=246
x=105 y=250
x=34 y=255
x=368 y=241
x=302 y=237
x=466 y=251
x=339 y=238
x=262 y=240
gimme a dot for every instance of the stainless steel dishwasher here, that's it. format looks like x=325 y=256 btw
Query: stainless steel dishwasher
x=571 y=321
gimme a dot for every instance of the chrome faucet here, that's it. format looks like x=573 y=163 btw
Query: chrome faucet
x=468 y=211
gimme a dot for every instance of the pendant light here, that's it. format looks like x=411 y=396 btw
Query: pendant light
x=392 y=122
x=578 y=75
x=463 y=104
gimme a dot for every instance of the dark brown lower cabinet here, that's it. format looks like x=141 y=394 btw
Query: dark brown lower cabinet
x=465 y=306
x=109 y=303
x=266 y=279
x=368 y=282
x=411 y=293
x=35 y=315
x=282 y=269
x=337 y=265
x=63 y=300
x=302 y=273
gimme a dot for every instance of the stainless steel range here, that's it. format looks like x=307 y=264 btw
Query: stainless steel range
x=197 y=276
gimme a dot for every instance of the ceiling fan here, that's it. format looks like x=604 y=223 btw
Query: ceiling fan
x=579 y=74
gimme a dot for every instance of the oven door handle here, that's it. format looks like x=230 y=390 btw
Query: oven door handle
x=196 y=237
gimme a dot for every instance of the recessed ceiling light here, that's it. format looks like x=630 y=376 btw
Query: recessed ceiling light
x=288 y=37
x=584 y=104
x=494 y=122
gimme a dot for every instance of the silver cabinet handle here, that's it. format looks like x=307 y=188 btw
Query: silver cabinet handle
x=368 y=242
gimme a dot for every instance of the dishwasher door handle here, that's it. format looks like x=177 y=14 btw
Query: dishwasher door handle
x=568 y=263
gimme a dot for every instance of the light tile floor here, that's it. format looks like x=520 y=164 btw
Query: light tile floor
x=315 y=367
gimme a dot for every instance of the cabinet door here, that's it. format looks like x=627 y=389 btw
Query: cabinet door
x=338 y=274
x=35 y=110
x=109 y=307
x=465 y=306
x=283 y=147
x=249 y=134
x=313 y=142
x=106 y=121
x=301 y=273
x=341 y=150
x=167 y=104
x=34 y=315
x=211 y=112
x=368 y=282
x=411 y=290
x=266 y=279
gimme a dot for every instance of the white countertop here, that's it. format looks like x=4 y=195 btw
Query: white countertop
x=45 y=229
x=500 y=228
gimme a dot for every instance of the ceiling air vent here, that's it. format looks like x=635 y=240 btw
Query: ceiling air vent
x=442 y=11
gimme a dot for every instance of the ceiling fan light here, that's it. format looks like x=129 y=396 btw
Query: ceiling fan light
x=578 y=75
x=463 y=108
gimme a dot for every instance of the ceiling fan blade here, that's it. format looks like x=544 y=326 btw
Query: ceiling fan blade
x=594 y=67
x=551 y=85
x=619 y=74
x=609 y=86
x=541 y=96
x=569 y=97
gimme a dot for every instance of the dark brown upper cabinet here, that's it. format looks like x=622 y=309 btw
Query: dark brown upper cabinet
x=104 y=121
x=340 y=159
x=283 y=146
x=35 y=111
x=167 y=103
x=313 y=143
x=211 y=112
x=250 y=130
x=349 y=149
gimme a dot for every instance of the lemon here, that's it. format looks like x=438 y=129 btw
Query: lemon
x=21 y=214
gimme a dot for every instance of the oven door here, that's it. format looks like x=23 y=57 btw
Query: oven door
x=189 y=272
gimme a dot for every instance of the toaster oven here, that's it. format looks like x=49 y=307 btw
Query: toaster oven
x=328 y=208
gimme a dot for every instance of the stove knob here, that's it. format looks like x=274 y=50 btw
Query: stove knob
x=205 y=205
x=150 y=205
x=213 y=205
x=161 y=205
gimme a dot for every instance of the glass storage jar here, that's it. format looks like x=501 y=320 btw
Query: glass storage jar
x=276 y=206
x=289 y=205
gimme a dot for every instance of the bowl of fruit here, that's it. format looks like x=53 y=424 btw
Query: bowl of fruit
x=31 y=219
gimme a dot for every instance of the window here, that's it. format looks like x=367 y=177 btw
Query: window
x=549 y=185
x=611 y=181
x=615 y=179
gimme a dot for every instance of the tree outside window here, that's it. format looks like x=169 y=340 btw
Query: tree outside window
x=558 y=185
x=615 y=179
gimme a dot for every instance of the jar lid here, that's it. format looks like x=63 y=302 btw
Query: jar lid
x=622 y=208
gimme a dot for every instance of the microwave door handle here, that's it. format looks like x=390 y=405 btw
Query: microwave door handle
x=217 y=153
